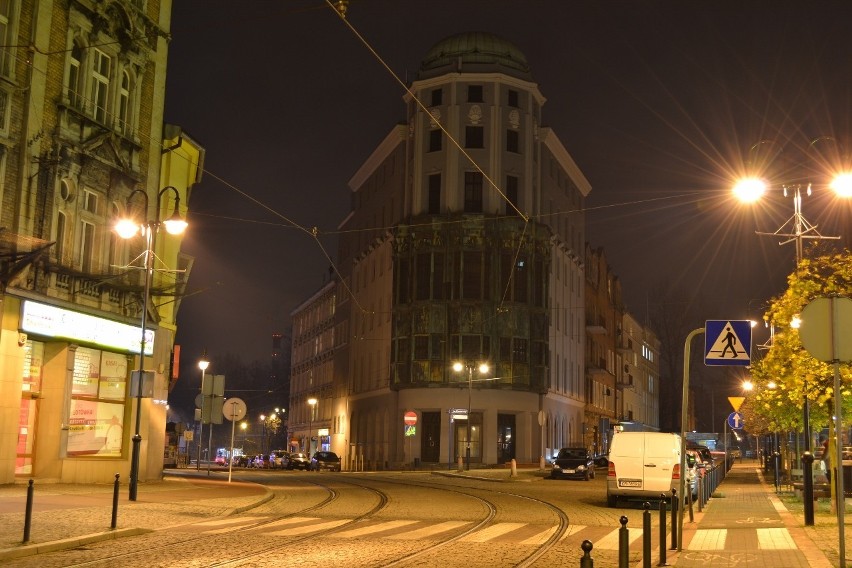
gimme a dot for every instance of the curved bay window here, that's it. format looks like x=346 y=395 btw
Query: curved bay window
x=467 y=293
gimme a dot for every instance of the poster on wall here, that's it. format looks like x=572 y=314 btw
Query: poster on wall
x=95 y=428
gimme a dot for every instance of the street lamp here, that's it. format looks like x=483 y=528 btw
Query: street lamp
x=128 y=228
x=203 y=363
x=313 y=402
x=458 y=367
x=262 y=434
x=752 y=189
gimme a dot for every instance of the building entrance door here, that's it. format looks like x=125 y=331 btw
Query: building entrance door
x=430 y=441
x=505 y=438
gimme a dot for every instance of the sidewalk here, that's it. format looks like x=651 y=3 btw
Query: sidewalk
x=67 y=516
x=746 y=525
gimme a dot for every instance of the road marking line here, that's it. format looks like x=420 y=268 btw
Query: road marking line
x=290 y=521
x=432 y=530
x=572 y=530
x=228 y=521
x=540 y=538
x=492 y=532
x=708 y=539
x=774 y=539
x=296 y=531
x=610 y=541
x=371 y=529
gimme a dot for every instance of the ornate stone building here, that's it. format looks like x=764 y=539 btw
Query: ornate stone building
x=82 y=86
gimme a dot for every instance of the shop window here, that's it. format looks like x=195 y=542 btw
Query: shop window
x=96 y=413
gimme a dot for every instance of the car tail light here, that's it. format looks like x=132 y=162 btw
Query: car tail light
x=611 y=471
x=676 y=471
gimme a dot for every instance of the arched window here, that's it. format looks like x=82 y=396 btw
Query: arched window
x=74 y=76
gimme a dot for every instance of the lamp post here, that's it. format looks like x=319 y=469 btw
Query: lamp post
x=262 y=434
x=128 y=228
x=796 y=229
x=203 y=363
x=313 y=403
x=458 y=367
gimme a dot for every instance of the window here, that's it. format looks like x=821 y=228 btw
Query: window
x=435 y=139
x=101 y=66
x=513 y=98
x=6 y=41
x=472 y=192
x=90 y=202
x=60 y=237
x=474 y=137
x=472 y=276
x=474 y=94
x=96 y=413
x=124 y=103
x=512 y=143
x=437 y=97
x=435 y=194
x=512 y=194
x=4 y=110
x=74 y=77
x=87 y=244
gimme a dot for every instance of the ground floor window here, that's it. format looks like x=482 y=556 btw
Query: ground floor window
x=30 y=390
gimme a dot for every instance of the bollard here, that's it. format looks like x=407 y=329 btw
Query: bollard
x=114 y=504
x=689 y=502
x=460 y=464
x=586 y=561
x=808 y=486
x=646 y=535
x=28 y=517
x=700 y=493
x=623 y=544
x=662 y=530
x=777 y=456
x=541 y=463
x=675 y=506
x=514 y=468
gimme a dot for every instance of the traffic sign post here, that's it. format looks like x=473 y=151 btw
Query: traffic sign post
x=727 y=342
x=233 y=409
x=410 y=421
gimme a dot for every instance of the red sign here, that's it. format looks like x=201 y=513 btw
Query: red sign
x=410 y=418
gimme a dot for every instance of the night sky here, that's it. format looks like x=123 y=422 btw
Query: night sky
x=657 y=102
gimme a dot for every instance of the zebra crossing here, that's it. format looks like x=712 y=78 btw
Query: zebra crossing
x=603 y=538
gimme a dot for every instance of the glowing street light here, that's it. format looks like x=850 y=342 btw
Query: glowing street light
x=313 y=403
x=203 y=363
x=128 y=228
x=458 y=367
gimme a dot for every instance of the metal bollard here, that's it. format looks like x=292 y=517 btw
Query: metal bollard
x=646 y=535
x=114 y=504
x=28 y=517
x=623 y=544
x=777 y=456
x=689 y=502
x=586 y=561
x=700 y=493
x=675 y=506
x=662 y=530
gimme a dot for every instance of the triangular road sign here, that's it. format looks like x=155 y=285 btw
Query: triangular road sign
x=736 y=402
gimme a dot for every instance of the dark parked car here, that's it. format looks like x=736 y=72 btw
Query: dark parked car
x=573 y=462
x=325 y=460
x=298 y=460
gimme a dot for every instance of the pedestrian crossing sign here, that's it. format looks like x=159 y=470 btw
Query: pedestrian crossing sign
x=727 y=342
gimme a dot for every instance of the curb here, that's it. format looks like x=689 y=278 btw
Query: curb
x=55 y=545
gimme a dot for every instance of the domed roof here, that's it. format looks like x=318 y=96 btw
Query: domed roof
x=475 y=52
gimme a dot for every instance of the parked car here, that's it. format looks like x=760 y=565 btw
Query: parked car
x=573 y=462
x=325 y=460
x=298 y=460
x=241 y=460
x=277 y=459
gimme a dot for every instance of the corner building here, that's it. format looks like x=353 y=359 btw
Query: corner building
x=439 y=264
x=82 y=87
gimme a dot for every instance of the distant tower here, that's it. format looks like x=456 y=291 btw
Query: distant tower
x=276 y=346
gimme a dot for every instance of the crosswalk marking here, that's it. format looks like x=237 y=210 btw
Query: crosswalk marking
x=227 y=525
x=774 y=539
x=372 y=529
x=709 y=539
x=296 y=531
x=572 y=530
x=540 y=538
x=290 y=521
x=429 y=531
x=610 y=541
x=492 y=532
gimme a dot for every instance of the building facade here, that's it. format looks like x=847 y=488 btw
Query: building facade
x=81 y=144
x=640 y=377
x=463 y=245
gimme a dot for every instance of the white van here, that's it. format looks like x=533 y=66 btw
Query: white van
x=642 y=465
